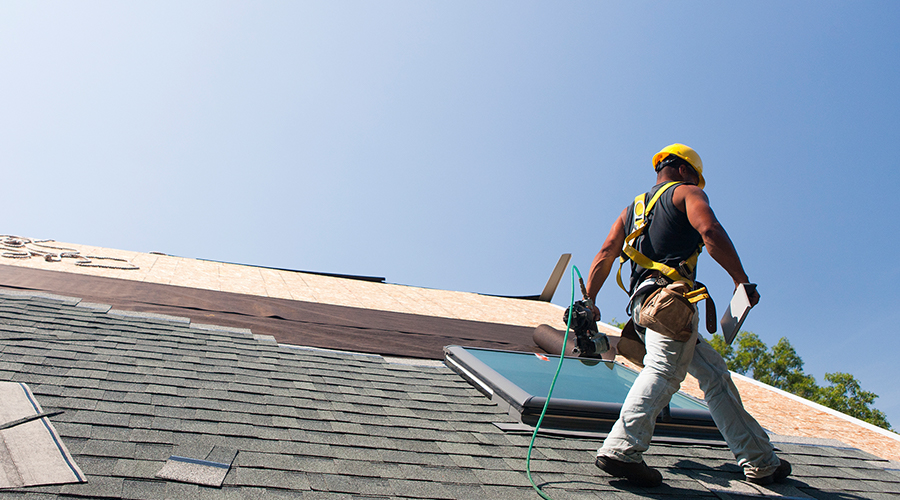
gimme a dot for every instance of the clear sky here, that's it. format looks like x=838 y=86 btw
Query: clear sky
x=465 y=145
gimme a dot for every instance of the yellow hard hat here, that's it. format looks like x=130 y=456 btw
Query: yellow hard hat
x=685 y=153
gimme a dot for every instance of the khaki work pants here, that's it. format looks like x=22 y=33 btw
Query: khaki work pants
x=665 y=365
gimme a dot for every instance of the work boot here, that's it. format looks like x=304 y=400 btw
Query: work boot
x=777 y=476
x=637 y=473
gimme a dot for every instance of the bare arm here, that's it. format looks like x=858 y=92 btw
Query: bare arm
x=606 y=257
x=696 y=205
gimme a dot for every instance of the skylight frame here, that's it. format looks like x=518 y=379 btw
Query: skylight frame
x=569 y=414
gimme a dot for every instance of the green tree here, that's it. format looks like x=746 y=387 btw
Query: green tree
x=782 y=367
x=846 y=396
x=618 y=324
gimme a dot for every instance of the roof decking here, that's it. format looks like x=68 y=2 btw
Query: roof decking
x=295 y=285
x=315 y=424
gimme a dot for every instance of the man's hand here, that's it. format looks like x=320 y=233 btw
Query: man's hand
x=596 y=311
x=753 y=296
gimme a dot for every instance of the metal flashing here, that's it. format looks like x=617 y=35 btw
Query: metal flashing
x=470 y=377
x=555 y=277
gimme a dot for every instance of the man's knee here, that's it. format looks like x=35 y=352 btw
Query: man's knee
x=713 y=376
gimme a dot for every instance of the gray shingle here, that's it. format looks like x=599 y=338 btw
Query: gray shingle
x=319 y=425
x=181 y=490
x=152 y=451
x=267 y=478
x=103 y=448
x=97 y=486
x=139 y=489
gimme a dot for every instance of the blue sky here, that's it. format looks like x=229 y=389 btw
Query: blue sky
x=466 y=145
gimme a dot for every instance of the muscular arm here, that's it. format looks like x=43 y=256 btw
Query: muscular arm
x=606 y=257
x=693 y=201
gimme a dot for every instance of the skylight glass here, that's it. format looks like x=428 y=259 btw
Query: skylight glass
x=580 y=378
x=588 y=394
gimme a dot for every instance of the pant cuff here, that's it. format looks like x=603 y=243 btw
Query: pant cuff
x=631 y=458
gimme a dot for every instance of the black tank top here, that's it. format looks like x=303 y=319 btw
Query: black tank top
x=669 y=239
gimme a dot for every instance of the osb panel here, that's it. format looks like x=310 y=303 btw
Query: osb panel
x=207 y=275
x=782 y=415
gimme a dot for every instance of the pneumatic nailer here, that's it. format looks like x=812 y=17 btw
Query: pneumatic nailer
x=589 y=342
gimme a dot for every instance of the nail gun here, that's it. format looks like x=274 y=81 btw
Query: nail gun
x=589 y=342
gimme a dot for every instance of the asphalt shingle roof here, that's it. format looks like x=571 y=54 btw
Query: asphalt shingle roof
x=314 y=424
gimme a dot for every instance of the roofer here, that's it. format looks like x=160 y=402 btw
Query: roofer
x=677 y=222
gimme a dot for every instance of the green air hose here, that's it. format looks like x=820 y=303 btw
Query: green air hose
x=562 y=356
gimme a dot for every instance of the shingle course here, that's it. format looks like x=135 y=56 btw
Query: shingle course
x=152 y=451
x=97 y=486
x=140 y=489
x=175 y=490
x=316 y=424
x=267 y=478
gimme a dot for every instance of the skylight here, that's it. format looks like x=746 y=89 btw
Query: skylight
x=588 y=394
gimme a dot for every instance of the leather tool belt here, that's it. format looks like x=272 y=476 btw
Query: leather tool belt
x=670 y=311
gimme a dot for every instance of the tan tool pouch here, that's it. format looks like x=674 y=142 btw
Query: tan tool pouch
x=630 y=345
x=669 y=311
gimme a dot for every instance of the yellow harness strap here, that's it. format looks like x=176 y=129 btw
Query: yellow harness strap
x=697 y=295
x=640 y=222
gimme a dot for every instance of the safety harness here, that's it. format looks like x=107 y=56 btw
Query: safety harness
x=642 y=218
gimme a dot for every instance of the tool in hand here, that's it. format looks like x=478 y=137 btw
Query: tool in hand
x=589 y=342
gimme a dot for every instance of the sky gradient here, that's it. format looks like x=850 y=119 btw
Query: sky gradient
x=466 y=145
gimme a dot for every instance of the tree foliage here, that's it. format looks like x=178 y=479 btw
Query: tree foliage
x=618 y=324
x=782 y=367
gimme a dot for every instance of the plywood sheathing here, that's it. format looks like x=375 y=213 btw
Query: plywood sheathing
x=293 y=285
x=783 y=415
